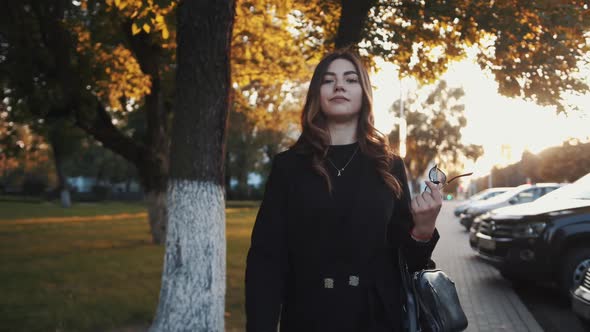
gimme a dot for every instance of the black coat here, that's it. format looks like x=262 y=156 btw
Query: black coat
x=320 y=271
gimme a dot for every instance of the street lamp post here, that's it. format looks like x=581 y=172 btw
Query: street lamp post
x=403 y=125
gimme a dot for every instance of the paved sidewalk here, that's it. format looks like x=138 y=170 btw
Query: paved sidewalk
x=488 y=300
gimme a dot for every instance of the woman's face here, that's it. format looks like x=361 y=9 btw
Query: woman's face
x=341 y=93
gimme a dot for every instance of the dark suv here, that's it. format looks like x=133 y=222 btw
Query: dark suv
x=518 y=195
x=546 y=240
x=581 y=298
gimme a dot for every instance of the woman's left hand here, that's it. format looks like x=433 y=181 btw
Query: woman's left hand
x=425 y=209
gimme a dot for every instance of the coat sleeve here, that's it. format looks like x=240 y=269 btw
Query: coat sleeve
x=266 y=264
x=417 y=253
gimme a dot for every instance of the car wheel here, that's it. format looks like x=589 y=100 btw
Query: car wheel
x=572 y=272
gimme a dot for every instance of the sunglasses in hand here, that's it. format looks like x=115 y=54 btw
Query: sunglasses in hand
x=437 y=176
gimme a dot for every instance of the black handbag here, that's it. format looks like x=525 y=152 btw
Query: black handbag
x=431 y=302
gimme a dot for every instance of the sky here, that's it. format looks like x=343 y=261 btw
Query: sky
x=505 y=127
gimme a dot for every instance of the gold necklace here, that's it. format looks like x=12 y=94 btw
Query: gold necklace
x=340 y=170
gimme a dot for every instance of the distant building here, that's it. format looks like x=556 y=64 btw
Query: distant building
x=84 y=184
x=81 y=184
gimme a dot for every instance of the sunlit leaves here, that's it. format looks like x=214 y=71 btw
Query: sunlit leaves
x=434 y=118
x=264 y=51
x=269 y=62
x=116 y=73
x=539 y=50
x=147 y=15
x=124 y=78
x=533 y=48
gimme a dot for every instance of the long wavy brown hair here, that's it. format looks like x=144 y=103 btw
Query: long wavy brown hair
x=315 y=138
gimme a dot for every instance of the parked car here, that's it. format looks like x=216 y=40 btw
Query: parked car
x=581 y=298
x=480 y=196
x=545 y=240
x=522 y=194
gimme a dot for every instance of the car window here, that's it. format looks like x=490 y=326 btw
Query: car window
x=509 y=194
x=547 y=190
x=496 y=193
x=526 y=196
x=577 y=190
x=486 y=196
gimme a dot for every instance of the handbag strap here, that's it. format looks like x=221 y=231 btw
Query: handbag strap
x=403 y=266
x=411 y=303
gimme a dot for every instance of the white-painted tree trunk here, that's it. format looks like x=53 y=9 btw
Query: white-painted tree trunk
x=65 y=198
x=192 y=296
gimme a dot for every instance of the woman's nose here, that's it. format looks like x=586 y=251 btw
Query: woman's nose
x=338 y=86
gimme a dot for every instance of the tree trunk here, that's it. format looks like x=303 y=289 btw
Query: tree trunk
x=157 y=215
x=192 y=297
x=62 y=186
x=153 y=173
x=149 y=56
x=64 y=192
x=352 y=21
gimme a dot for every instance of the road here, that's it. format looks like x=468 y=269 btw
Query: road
x=490 y=302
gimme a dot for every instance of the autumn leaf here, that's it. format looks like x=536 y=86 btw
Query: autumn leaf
x=135 y=29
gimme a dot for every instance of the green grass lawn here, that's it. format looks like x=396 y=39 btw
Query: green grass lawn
x=96 y=275
x=21 y=210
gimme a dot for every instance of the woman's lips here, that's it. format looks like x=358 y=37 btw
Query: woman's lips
x=339 y=99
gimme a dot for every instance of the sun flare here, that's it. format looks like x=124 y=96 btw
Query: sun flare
x=505 y=127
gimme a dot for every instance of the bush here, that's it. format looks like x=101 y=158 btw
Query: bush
x=34 y=185
x=101 y=192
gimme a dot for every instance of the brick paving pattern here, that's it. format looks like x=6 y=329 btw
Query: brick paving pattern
x=488 y=300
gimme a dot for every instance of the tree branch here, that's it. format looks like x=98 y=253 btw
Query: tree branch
x=102 y=129
x=148 y=55
x=100 y=126
x=352 y=20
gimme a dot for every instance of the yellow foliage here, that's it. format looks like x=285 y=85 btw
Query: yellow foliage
x=165 y=33
x=267 y=48
x=271 y=46
x=264 y=48
x=135 y=29
x=122 y=75
x=146 y=14
x=117 y=74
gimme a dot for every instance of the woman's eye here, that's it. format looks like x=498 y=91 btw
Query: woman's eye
x=327 y=81
x=352 y=80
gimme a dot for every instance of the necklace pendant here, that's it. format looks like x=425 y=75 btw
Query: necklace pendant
x=339 y=173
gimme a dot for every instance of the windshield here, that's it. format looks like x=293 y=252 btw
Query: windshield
x=479 y=195
x=577 y=190
x=493 y=194
x=506 y=195
x=488 y=193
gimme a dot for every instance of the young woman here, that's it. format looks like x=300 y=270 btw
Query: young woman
x=337 y=207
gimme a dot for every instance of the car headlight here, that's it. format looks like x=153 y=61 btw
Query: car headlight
x=475 y=224
x=531 y=230
x=485 y=215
